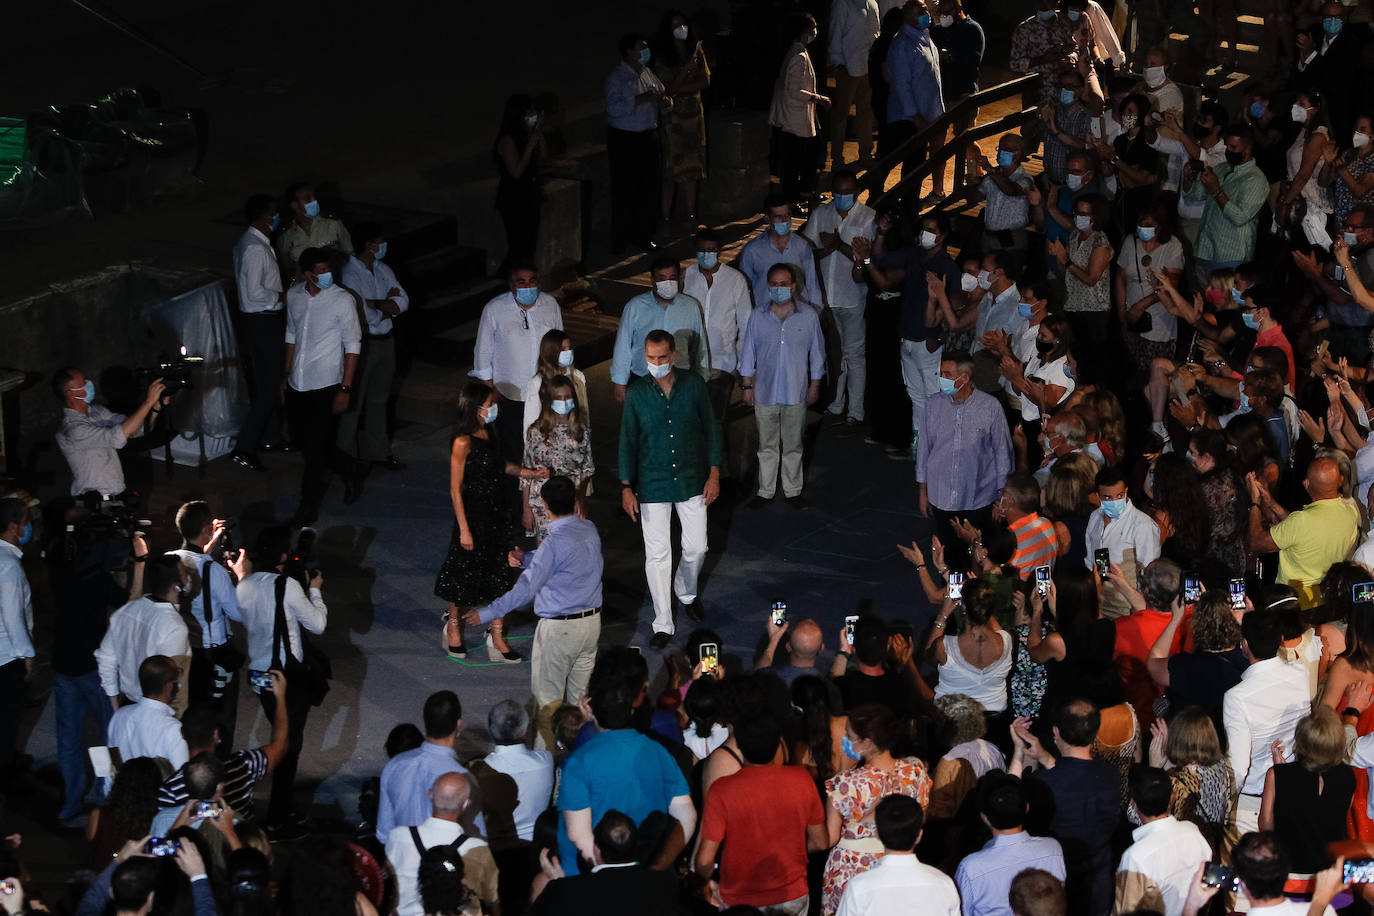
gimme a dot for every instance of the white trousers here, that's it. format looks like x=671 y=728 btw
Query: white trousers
x=656 y=519
x=849 y=388
x=921 y=375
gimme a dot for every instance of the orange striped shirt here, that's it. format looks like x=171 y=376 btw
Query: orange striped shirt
x=1036 y=544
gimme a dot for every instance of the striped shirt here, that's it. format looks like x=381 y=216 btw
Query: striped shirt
x=241 y=773
x=1036 y=544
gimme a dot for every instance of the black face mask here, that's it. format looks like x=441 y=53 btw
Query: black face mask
x=1199 y=131
x=1044 y=346
x=1235 y=158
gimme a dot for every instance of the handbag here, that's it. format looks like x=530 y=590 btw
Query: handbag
x=313 y=670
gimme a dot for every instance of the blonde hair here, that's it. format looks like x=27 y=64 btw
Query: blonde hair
x=1193 y=738
x=1111 y=422
x=1319 y=743
x=1072 y=481
x=548 y=419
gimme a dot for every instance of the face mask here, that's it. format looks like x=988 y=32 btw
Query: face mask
x=660 y=370
x=1112 y=508
x=1234 y=158
x=492 y=411
x=680 y=33
x=1359 y=139
x=1044 y=15
x=1025 y=309
x=88 y=391
x=531 y=120
x=312 y=209
x=1128 y=122
x=276 y=217
x=1298 y=114
x=381 y=251
x=1332 y=25
x=844 y=202
x=563 y=407
x=1349 y=238
x=947 y=385
x=1213 y=297
x=325 y=280
x=565 y=358
x=968 y=282
x=927 y=239
x=707 y=260
x=848 y=747
x=644 y=56
x=1066 y=96
x=1082 y=222
x=782 y=226
x=984 y=279
x=1256 y=109
x=1074 y=14
x=946 y=21
x=1005 y=158
x=1243 y=405
x=1068 y=371
x=1073 y=182
x=1250 y=320
x=780 y=293
x=1200 y=131
x=1044 y=346
x=923 y=21
x=27 y=534
x=1145 y=233
x=665 y=289
x=1154 y=77
x=525 y=295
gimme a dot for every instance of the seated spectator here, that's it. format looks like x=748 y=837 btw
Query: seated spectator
x=804 y=646
x=128 y=812
x=970 y=757
x=1035 y=892
x=615 y=876
x=408 y=777
x=1261 y=863
x=449 y=797
x=899 y=878
x=1306 y=801
x=985 y=877
x=1161 y=591
x=1157 y=870
x=149 y=728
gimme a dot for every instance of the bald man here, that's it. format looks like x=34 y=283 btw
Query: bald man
x=1309 y=540
x=804 y=647
x=449 y=797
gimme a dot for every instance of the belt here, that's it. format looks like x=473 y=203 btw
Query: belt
x=868 y=844
x=576 y=616
x=378 y=336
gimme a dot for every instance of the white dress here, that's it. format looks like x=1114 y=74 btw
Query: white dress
x=1313 y=194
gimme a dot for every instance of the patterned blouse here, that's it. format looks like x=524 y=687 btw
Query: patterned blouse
x=1028 y=679
x=561 y=454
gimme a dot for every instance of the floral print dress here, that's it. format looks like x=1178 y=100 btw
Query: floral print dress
x=561 y=454
x=1028 y=679
x=853 y=795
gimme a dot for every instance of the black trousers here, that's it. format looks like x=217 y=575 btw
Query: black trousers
x=203 y=689
x=281 y=802
x=522 y=230
x=886 y=405
x=636 y=171
x=13 y=692
x=314 y=430
x=956 y=550
x=796 y=164
x=892 y=135
x=262 y=339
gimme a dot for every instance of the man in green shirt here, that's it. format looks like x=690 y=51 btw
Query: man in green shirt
x=670 y=456
x=1236 y=190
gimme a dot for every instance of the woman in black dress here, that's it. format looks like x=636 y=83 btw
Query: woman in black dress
x=518 y=153
x=475 y=573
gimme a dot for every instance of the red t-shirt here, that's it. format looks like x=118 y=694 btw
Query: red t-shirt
x=759 y=815
x=1274 y=338
x=1135 y=634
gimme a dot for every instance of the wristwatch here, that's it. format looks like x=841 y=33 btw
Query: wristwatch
x=346 y=389
x=1350 y=711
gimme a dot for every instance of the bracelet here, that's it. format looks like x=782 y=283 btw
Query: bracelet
x=843 y=654
x=943 y=572
x=746 y=387
x=627 y=486
x=938 y=624
x=138 y=559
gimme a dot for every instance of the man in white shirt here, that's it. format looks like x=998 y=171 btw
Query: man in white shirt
x=507 y=350
x=831 y=229
x=146 y=626
x=449 y=798
x=517 y=785
x=91 y=436
x=1164 y=93
x=723 y=293
x=257 y=277
x=149 y=727
x=898 y=880
x=262 y=589
x=1263 y=708
x=323 y=340
x=368 y=276
x=853 y=28
x=1129 y=535
x=1157 y=870
x=16 y=624
x=1261 y=866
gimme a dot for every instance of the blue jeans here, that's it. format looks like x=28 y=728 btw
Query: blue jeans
x=77 y=698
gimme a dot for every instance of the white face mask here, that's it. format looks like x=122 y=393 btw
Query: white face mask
x=1359 y=140
x=946 y=21
x=666 y=289
x=565 y=358
x=659 y=370
x=531 y=120
x=1154 y=77
x=927 y=239
x=968 y=282
x=1082 y=222
x=492 y=411
x=680 y=33
x=984 y=279
x=1299 y=114
x=562 y=406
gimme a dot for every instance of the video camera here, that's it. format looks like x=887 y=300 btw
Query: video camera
x=302 y=564
x=175 y=373
x=102 y=536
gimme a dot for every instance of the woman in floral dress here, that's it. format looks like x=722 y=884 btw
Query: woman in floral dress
x=851 y=797
x=561 y=442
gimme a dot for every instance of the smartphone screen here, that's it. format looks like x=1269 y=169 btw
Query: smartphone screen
x=1237 y=592
x=1358 y=871
x=1192 y=588
x=779 y=613
x=1042 y=580
x=709 y=657
x=849 y=623
x=1363 y=593
x=956 y=585
x=1215 y=875
x=1102 y=559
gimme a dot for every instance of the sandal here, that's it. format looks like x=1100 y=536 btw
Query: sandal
x=457 y=652
x=509 y=657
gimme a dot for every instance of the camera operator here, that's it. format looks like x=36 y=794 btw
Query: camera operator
x=91 y=436
x=209 y=605
x=264 y=596
x=148 y=625
x=16 y=627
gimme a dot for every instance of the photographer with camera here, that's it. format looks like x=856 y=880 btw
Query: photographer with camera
x=274 y=607
x=90 y=436
x=16 y=625
x=148 y=625
x=209 y=605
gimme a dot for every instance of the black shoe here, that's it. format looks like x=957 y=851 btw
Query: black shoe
x=353 y=488
x=247 y=461
x=392 y=463
x=757 y=502
x=660 y=641
x=694 y=611
x=798 y=502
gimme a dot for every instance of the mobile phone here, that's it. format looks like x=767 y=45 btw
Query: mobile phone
x=1192 y=588
x=779 y=613
x=1363 y=593
x=209 y=809
x=1237 y=592
x=849 y=623
x=1358 y=871
x=8 y=887
x=1042 y=580
x=710 y=657
x=1215 y=875
x=261 y=680
x=956 y=586
x=158 y=846
x=1102 y=559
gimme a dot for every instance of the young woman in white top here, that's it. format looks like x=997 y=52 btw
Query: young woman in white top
x=1043 y=381
x=555 y=359
x=976 y=662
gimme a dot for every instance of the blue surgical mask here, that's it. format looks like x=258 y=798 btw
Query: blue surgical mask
x=565 y=358
x=844 y=202
x=562 y=406
x=276 y=221
x=1067 y=95
x=492 y=411
x=1332 y=25
x=1024 y=309
x=1074 y=14
x=1349 y=238
x=659 y=370
x=525 y=295
x=923 y=21
x=848 y=747
x=644 y=56
x=1237 y=296
x=1005 y=158
x=947 y=385
x=88 y=391
x=1112 y=508
x=1244 y=403
x=1145 y=233
x=312 y=209
x=1256 y=109
x=780 y=293
x=1082 y=222
x=381 y=251
x=325 y=280
x=707 y=260
x=1073 y=182
x=27 y=534
x=782 y=226
x=1250 y=320
x=1044 y=15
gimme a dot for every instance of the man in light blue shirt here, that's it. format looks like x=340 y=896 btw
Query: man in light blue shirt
x=781 y=366
x=916 y=99
x=633 y=97
x=407 y=778
x=778 y=244
x=1000 y=309
x=563 y=578
x=663 y=308
x=984 y=878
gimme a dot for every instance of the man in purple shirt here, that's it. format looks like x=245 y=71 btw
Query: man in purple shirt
x=965 y=454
